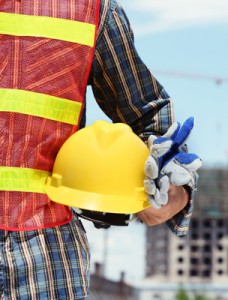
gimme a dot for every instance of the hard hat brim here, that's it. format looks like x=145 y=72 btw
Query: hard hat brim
x=99 y=202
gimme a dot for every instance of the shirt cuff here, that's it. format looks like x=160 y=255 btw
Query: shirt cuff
x=179 y=224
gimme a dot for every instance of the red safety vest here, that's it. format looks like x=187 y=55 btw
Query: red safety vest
x=46 y=52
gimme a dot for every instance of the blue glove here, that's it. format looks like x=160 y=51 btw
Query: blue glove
x=170 y=163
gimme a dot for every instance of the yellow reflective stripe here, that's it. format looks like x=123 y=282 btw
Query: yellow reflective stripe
x=47 y=27
x=23 y=179
x=40 y=105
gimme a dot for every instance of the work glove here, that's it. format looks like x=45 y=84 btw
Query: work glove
x=170 y=163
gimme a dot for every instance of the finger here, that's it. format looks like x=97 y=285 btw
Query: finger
x=184 y=132
x=152 y=202
x=164 y=183
x=151 y=168
x=172 y=131
x=160 y=146
x=177 y=174
x=189 y=161
x=149 y=186
x=161 y=195
x=150 y=140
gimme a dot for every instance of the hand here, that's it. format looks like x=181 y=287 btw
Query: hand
x=178 y=199
x=169 y=164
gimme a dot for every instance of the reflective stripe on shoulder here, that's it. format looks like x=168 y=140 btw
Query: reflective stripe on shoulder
x=40 y=105
x=23 y=179
x=47 y=27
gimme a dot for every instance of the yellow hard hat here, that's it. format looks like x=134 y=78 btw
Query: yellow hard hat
x=101 y=168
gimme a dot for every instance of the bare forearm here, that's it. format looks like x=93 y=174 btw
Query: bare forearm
x=178 y=199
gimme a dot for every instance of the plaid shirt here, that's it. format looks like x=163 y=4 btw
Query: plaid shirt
x=53 y=263
x=126 y=90
x=45 y=264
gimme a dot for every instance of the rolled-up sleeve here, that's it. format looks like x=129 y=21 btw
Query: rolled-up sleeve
x=123 y=86
x=126 y=90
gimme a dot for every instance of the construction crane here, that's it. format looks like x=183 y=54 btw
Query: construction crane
x=218 y=80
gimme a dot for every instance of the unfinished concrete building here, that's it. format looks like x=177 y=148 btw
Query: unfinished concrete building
x=201 y=256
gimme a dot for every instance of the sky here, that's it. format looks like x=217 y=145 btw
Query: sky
x=185 y=45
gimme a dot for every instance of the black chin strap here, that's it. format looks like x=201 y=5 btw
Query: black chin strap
x=104 y=220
